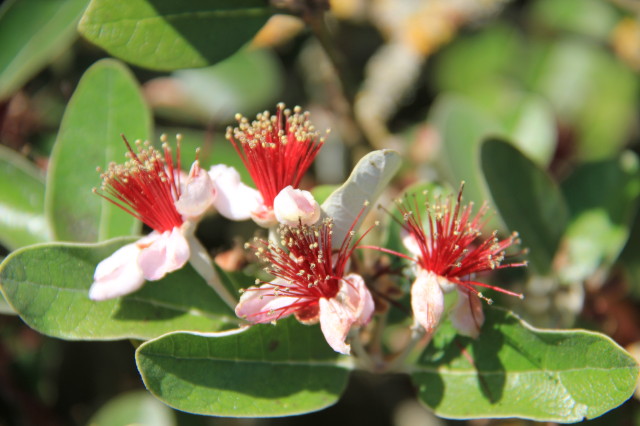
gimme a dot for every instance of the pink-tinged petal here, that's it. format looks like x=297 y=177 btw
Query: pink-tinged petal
x=294 y=206
x=233 y=199
x=410 y=243
x=427 y=300
x=335 y=323
x=467 y=315
x=164 y=253
x=197 y=193
x=352 y=306
x=117 y=275
x=262 y=304
x=359 y=296
x=264 y=216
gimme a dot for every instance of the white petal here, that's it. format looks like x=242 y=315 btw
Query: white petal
x=260 y=304
x=294 y=206
x=117 y=275
x=467 y=315
x=233 y=199
x=197 y=193
x=264 y=216
x=335 y=324
x=410 y=243
x=167 y=252
x=427 y=300
x=353 y=305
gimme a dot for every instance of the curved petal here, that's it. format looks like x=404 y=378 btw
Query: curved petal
x=117 y=275
x=467 y=315
x=427 y=300
x=294 y=206
x=233 y=199
x=264 y=216
x=197 y=193
x=410 y=243
x=335 y=323
x=353 y=305
x=264 y=304
x=164 y=253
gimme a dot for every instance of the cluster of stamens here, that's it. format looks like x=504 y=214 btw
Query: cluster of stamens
x=276 y=149
x=450 y=247
x=146 y=185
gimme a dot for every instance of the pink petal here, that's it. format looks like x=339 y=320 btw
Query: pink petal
x=117 y=275
x=427 y=300
x=353 y=305
x=163 y=253
x=264 y=216
x=197 y=193
x=261 y=304
x=294 y=206
x=467 y=315
x=233 y=199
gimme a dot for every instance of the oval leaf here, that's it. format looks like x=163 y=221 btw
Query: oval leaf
x=368 y=179
x=528 y=200
x=168 y=34
x=134 y=408
x=602 y=198
x=106 y=104
x=261 y=371
x=31 y=35
x=48 y=285
x=22 y=220
x=515 y=370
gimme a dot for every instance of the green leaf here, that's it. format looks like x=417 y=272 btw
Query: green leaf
x=261 y=371
x=217 y=93
x=602 y=198
x=516 y=370
x=134 y=408
x=368 y=179
x=22 y=220
x=528 y=200
x=48 y=286
x=106 y=104
x=592 y=18
x=459 y=158
x=32 y=34
x=168 y=34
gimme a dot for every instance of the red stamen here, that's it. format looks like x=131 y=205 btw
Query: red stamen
x=146 y=186
x=276 y=150
x=450 y=248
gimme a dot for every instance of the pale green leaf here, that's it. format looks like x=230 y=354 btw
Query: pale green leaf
x=48 y=285
x=261 y=371
x=32 y=34
x=22 y=220
x=368 y=179
x=516 y=370
x=106 y=104
x=137 y=408
x=168 y=34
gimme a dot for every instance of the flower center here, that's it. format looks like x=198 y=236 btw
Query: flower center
x=277 y=150
x=146 y=186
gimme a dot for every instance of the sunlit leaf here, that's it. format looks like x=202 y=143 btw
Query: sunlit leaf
x=261 y=371
x=134 y=408
x=528 y=200
x=602 y=198
x=106 y=104
x=168 y=34
x=217 y=93
x=368 y=179
x=515 y=370
x=22 y=220
x=32 y=33
x=48 y=285
x=463 y=126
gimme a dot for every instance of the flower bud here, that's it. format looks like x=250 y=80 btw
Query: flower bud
x=294 y=206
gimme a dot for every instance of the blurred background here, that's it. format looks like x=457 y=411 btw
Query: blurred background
x=428 y=78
